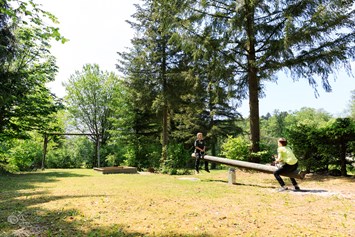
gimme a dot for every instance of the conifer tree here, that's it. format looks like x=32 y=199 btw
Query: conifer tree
x=308 y=39
x=154 y=66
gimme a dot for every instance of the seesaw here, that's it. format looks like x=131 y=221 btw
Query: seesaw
x=252 y=166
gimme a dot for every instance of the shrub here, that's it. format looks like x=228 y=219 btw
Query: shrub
x=24 y=155
x=178 y=158
x=236 y=148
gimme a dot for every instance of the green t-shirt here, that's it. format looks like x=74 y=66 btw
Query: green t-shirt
x=286 y=155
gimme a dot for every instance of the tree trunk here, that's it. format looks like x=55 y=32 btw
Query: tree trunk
x=165 y=106
x=253 y=82
x=254 y=112
x=45 y=143
x=98 y=151
x=211 y=122
x=165 y=134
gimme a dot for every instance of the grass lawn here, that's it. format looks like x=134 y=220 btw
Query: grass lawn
x=82 y=202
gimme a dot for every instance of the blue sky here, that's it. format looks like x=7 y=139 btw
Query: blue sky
x=97 y=31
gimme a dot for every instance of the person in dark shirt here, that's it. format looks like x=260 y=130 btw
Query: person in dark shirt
x=200 y=149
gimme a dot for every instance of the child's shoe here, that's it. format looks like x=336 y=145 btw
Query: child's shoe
x=297 y=188
x=283 y=188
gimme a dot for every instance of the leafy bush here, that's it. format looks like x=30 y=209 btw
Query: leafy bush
x=74 y=153
x=264 y=156
x=144 y=155
x=236 y=148
x=178 y=158
x=111 y=160
x=25 y=155
x=113 y=154
x=178 y=155
x=59 y=158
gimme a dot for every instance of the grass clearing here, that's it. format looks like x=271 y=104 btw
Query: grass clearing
x=82 y=202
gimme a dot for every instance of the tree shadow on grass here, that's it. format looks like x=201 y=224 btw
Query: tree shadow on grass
x=41 y=222
x=22 y=214
x=11 y=182
x=18 y=192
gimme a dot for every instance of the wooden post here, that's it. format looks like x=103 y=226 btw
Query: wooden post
x=98 y=150
x=231 y=176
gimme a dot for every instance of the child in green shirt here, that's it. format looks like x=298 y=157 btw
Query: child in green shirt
x=289 y=163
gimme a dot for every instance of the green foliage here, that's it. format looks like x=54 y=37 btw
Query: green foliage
x=155 y=68
x=320 y=142
x=303 y=139
x=113 y=153
x=26 y=65
x=257 y=39
x=59 y=158
x=275 y=125
x=25 y=154
x=5 y=146
x=111 y=160
x=266 y=154
x=189 y=66
x=340 y=133
x=236 y=148
x=176 y=90
x=178 y=158
x=75 y=152
x=89 y=95
x=21 y=154
x=352 y=105
x=303 y=135
x=143 y=153
x=130 y=156
x=261 y=157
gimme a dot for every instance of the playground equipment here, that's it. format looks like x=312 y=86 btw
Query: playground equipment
x=252 y=166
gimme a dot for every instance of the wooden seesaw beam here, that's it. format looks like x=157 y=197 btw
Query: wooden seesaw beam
x=252 y=166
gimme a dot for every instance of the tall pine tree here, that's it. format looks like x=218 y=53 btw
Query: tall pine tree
x=154 y=67
x=308 y=39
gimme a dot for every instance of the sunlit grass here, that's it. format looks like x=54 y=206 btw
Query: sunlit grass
x=83 y=202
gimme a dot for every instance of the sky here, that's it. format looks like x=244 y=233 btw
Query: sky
x=97 y=30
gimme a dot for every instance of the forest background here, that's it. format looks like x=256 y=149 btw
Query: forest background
x=190 y=66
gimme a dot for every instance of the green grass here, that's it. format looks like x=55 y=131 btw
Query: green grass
x=83 y=202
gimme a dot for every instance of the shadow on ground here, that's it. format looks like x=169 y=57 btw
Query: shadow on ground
x=31 y=222
x=314 y=191
x=21 y=216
